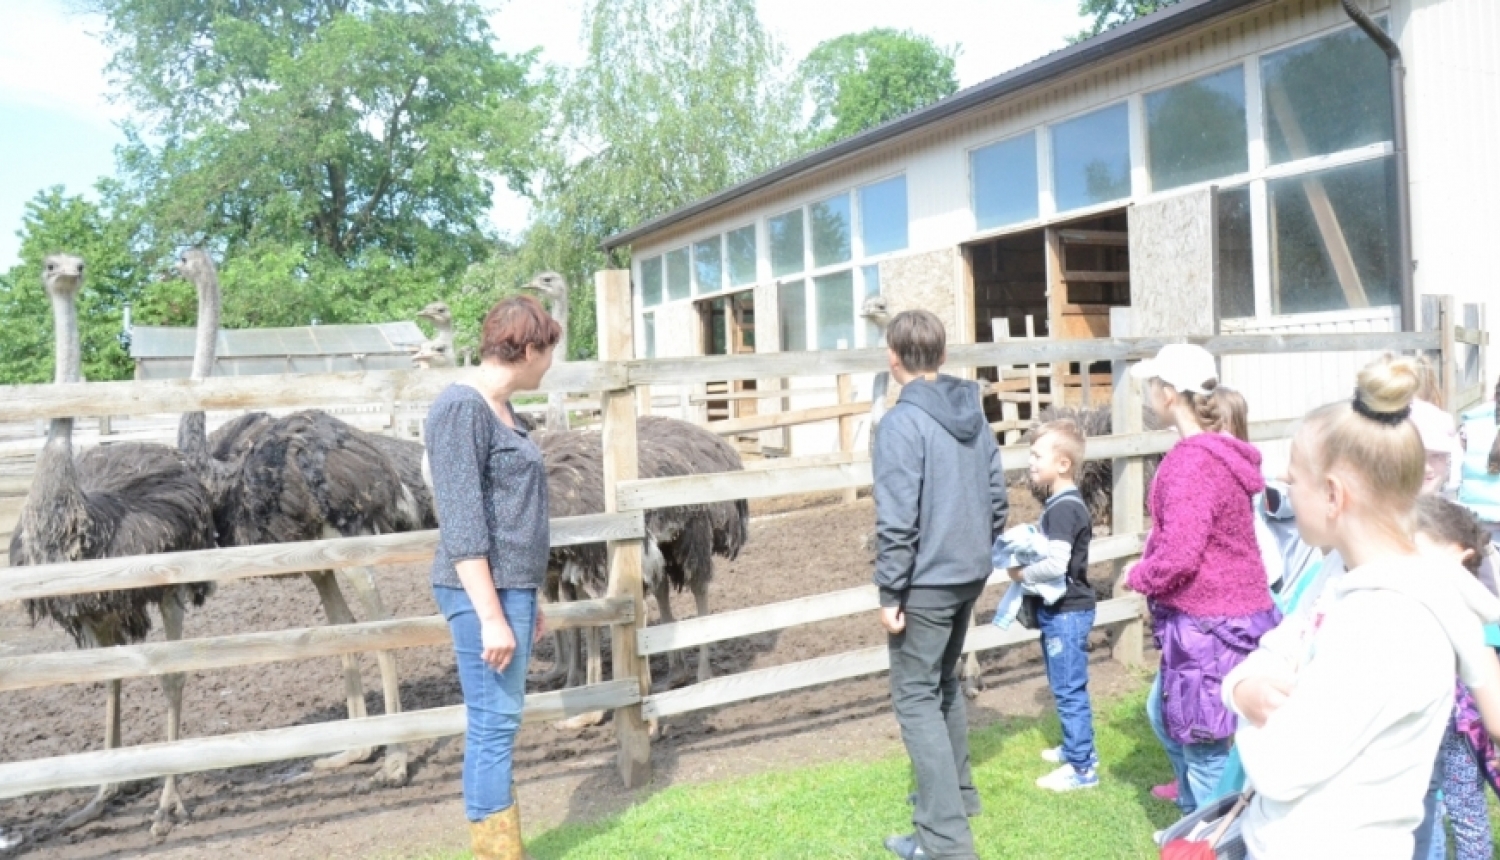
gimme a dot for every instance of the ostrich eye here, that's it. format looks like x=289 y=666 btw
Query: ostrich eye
x=51 y=267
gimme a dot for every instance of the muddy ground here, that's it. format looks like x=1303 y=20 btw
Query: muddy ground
x=797 y=547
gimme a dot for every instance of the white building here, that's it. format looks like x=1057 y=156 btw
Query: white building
x=1220 y=166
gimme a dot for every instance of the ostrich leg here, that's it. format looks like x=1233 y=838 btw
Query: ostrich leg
x=362 y=579
x=338 y=612
x=677 y=675
x=594 y=671
x=171 y=809
x=95 y=808
x=700 y=598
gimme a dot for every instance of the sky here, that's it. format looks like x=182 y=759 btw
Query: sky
x=59 y=125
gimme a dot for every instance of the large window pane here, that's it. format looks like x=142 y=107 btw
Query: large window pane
x=741 y=249
x=1005 y=186
x=1236 y=263
x=651 y=281
x=679 y=283
x=648 y=323
x=1195 y=131
x=787 y=257
x=1334 y=239
x=708 y=266
x=835 y=297
x=882 y=213
x=1091 y=158
x=830 y=231
x=1326 y=95
x=791 y=301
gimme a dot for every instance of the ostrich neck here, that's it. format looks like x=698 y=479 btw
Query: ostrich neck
x=55 y=503
x=69 y=367
x=560 y=313
x=206 y=347
x=443 y=335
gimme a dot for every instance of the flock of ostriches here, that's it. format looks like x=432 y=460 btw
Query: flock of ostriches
x=261 y=479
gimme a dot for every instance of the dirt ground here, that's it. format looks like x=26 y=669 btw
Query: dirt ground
x=797 y=547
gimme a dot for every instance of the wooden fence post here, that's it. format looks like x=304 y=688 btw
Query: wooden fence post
x=846 y=427
x=618 y=410
x=1447 y=352
x=1129 y=475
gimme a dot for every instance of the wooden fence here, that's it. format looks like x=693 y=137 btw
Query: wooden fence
x=615 y=380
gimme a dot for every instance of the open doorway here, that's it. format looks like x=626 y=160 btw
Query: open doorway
x=728 y=326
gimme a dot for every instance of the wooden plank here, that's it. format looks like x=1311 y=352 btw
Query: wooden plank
x=1112 y=238
x=846 y=426
x=775 y=463
x=768 y=394
x=1096 y=278
x=231 y=563
x=151 y=761
x=197 y=655
x=632 y=737
x=643 y=495
x=851 y=664
x=1471 y=336
x=756 y=423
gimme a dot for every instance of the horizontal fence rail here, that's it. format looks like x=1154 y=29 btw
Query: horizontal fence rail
x=149 y=761
x=151 y=659
x=231 y=563
x=851 y=664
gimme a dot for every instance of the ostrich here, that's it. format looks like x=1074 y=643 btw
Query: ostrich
x=680 y=541
x=437 y=352
x=304 y=477
x=121 y=500
x=551 y=286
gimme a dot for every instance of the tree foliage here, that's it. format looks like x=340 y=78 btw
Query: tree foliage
x=860 y=80
x=339 y=154
x=1108 y=14
x=677 y=99
x=57 y=222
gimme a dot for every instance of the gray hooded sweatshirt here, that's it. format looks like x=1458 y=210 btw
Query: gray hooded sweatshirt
x=940 y=496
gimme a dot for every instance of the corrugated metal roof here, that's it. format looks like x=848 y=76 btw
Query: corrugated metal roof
x=151 y=342
x=1154 y=27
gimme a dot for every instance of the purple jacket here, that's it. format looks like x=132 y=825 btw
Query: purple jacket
x=1196 y=654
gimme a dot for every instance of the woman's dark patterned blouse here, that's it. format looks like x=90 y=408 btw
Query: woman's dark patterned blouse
x=490 y=486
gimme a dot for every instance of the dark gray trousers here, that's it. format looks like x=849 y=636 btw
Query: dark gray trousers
x=934 y=725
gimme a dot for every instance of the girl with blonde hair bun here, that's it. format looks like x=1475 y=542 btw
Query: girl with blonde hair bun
x=1345 y=703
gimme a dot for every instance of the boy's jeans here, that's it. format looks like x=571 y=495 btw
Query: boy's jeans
x=1064 y=640
x=493 y=699
x=1197 y=767
x=935 y=726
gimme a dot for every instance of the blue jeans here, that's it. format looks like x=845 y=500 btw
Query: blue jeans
x=493 y=699
x=1197 y=766
x=1065 y=638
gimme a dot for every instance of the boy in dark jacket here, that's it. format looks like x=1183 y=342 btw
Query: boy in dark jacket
x=940 y=500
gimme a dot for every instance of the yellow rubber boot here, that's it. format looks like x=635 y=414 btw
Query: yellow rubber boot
x=499 y=836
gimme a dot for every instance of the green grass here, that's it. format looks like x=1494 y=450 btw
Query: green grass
x=846 y=810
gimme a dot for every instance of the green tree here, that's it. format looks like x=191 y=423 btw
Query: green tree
x=339 y=154
x=677 y=99
x=860 y=80
x=1107 y=14
x=56 y=222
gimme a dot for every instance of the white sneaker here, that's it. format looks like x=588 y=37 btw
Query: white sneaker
x=1067 y=778
x=1053 y=755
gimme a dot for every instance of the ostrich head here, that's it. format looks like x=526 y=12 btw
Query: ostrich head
x=876 y=311
x=62 y=275
x=549 y=284
x=438 y=314
x=197 y=267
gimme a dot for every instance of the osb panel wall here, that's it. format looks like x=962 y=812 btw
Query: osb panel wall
x=677 y=330
x=1171 y=266
x=926 y=281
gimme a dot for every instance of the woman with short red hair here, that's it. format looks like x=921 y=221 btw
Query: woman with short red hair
x=491 y=492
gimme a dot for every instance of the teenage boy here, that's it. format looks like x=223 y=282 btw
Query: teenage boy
x=940 y=500
x=1056 y=455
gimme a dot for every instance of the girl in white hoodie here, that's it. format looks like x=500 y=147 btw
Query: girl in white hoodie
x=1339 y=736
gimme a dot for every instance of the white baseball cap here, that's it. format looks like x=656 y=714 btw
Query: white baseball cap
x=1184 y=366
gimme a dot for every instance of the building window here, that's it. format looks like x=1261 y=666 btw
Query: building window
x=679 y=279
x=1004 y=182
x=651 y=281
x=830 y=231
x=648 y=334
x=871 y=276
x=835 y=297
x=791 y=302
x=1195 y=131
x=708 y=265
x=1236 y=263
x=1332 y=239
x=787 y=256
x=882 y=216
x=1091 y=158
x=740 y=245
x=1326 y=95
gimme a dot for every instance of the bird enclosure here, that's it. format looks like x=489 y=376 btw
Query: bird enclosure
x=619 y=383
